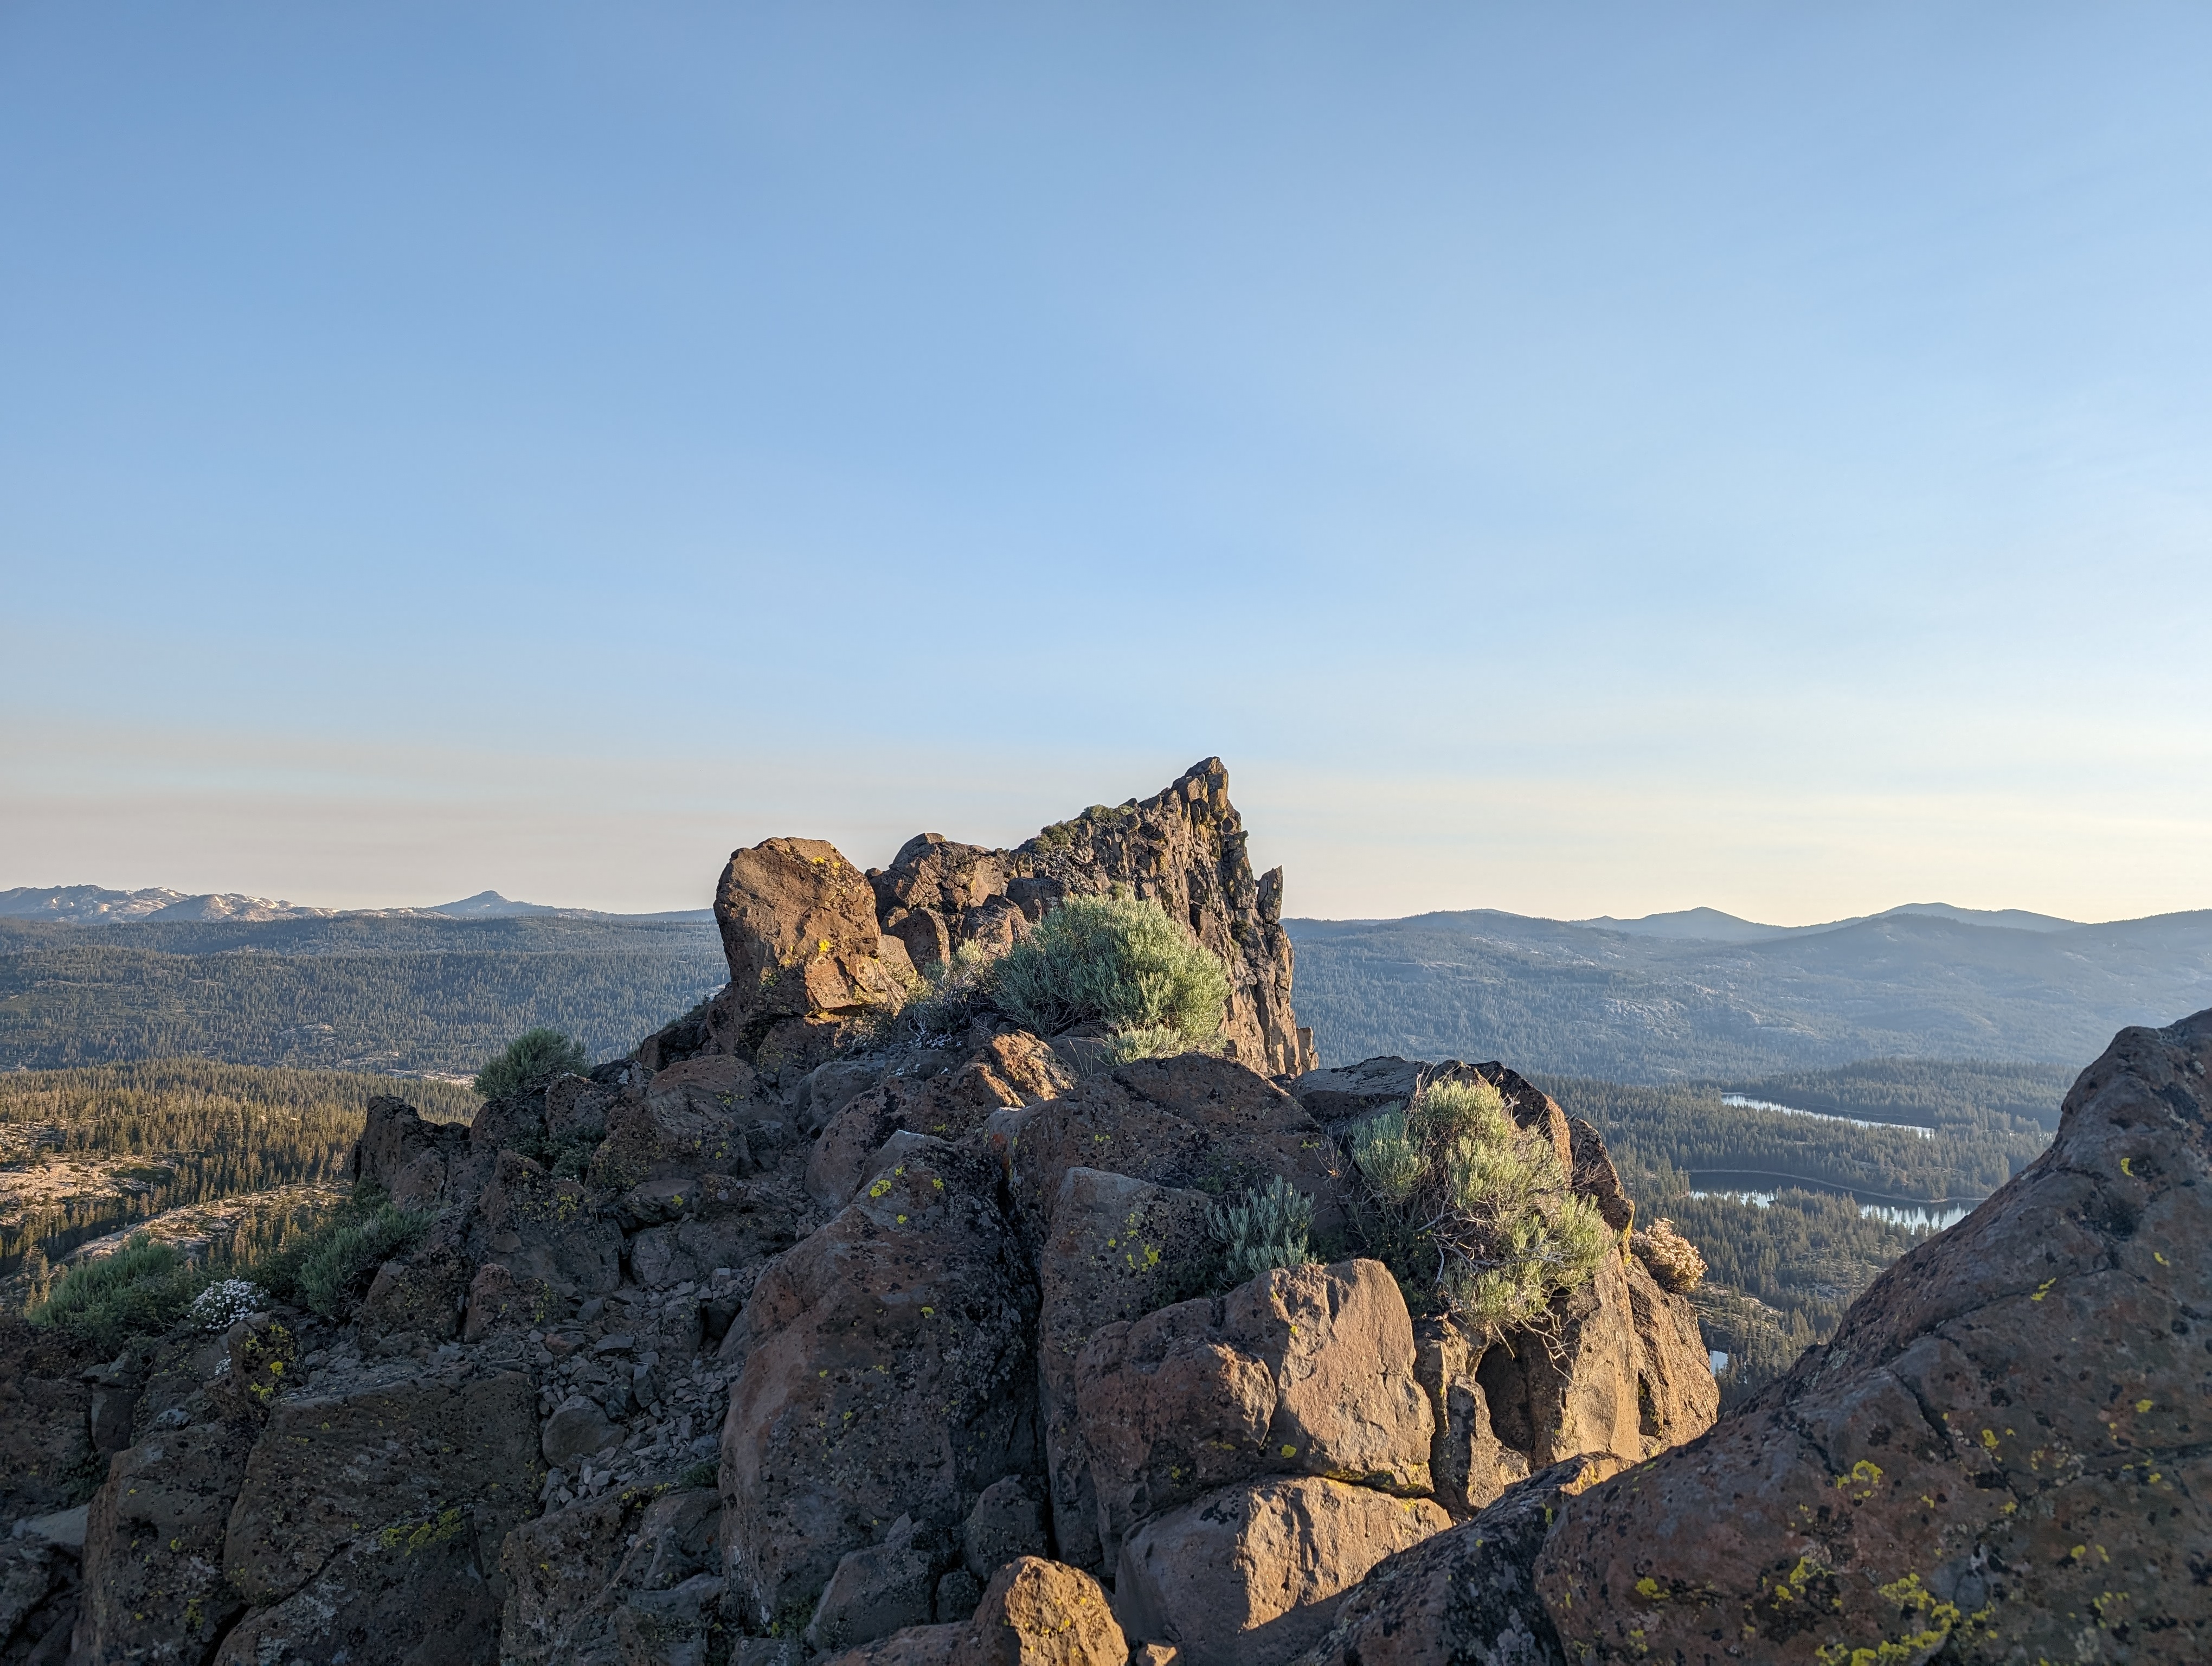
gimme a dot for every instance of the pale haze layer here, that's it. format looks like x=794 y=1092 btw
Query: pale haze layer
x=1570 y=461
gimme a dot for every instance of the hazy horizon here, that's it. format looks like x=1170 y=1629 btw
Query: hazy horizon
x=1579 y=463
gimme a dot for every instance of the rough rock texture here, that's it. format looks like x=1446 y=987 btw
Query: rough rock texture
x=574 y=1576
x=887 y=1369
x=1251 y=1575
x=1116 y=1249
x=2002 y=1453
x=1464 y=1597
x=1183 y=847
x=427 y=1453
x=883 y=1588
x=154 y=1588
x=414 y=1159
x=45 y=1410
x=1035 y=1613
x=1307 y=1372
x=1193 y=1121
x=800 y=933
x=856 y=1290
x=412 y=1596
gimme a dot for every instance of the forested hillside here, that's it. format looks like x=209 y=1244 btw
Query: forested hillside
x=358 y=993
x=1625 y=1006
x=84 y=1153
x=1781 y=1272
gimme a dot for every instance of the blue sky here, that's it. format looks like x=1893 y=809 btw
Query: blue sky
x=1573 y=460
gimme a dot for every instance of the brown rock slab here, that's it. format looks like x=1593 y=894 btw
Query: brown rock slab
x=46 y=1418
x=1468 y=1465
x=1034 y=1613
x=1038 y=1613
x=1465 y=1597
x=331 y=1469
x=154 y=1585
x=888 y=1368
x=414 y=1595
x=799 y=930
x=405 y=1155
x=1117 y=1249
x=881 y=1588
x=572 y=1577
x=550 y=1230
x=1195 y=1122
x=1252 y=1575
x=2002 y=1454
x=1305 y=1371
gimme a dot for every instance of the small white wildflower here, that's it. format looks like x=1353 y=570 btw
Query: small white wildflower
x=225 y=1302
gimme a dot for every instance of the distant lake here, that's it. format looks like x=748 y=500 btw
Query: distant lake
x=1744 y=1186
x=1822 y=1116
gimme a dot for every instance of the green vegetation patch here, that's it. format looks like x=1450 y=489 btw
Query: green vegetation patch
x=1115 y=961
x=533 y=1059
x=141 y=1290
x=328 y=1270
x=1473 y=1214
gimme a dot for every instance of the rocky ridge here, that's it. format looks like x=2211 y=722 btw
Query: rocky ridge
x=798 y=1334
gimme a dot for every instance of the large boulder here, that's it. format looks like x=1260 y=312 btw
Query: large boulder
x=885 y=1367
x=1117 y=1249
x=805 y=955
x=1465 y=1597
x=154 y=1584
x=413 y=1593
x=1035 y=1613
x=548 y=1231
x=445 y=1449
x=1308 y=1371
x=576 y=1576
x=884 y=1588
x=1997 y=1456
x=48 y=1416
x=1250 y=1575
x=1193 y=1121
x=406 y=1155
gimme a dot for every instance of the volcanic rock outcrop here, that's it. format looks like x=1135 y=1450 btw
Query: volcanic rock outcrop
x=798 y=1333
x=812 y=943
x=1996 y=1458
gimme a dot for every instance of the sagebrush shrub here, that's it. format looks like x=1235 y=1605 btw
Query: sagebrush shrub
x=1269 y=1229
x=533 y=1059
x=141 y=1290
x=327 y=1268
x=1673 y=1261
x=1474 y=1213
x=1115 y=961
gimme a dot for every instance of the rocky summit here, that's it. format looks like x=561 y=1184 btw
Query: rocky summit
x=848 y=1319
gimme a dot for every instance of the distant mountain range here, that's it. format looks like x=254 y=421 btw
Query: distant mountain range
x=1702 y=995
x=86 y=904
x=1711 y=926
x=1697 y=996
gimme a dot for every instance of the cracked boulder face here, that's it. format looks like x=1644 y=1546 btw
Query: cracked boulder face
x=1251 y=1575
x=1193 y=1121
x=1308 y=1371
x=2003 y=1454
x=885 y=1367
x=806 y=957
x=421 y=1459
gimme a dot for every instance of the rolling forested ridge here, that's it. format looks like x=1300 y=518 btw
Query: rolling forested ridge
x=88 y=1152
x=360 y=993
x=1626 y=1005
